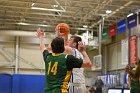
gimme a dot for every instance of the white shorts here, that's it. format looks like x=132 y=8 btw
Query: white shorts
x=77 y=88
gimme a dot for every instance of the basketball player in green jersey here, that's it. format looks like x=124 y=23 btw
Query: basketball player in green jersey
x=58 y=66
x=134 y=77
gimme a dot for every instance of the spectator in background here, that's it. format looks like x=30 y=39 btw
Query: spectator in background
x=88 y=89
x=92 y=89
x=99 y=84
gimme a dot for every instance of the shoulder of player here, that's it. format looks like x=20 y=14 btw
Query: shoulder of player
x=68 y=50
x=46 y=52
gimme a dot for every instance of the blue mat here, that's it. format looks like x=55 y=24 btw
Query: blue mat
x=21 y=83
x=28 y=83
x=5 y=83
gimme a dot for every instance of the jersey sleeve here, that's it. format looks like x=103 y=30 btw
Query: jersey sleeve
x=73 y=62
x=45 y=54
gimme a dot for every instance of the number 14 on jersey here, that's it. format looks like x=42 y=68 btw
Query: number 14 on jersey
x=52 y=69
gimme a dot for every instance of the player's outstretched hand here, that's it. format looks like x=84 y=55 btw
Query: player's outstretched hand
x=40 y=33
x=81 y=46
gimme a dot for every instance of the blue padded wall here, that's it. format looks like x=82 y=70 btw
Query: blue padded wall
x=28 y=83
x=5 y=83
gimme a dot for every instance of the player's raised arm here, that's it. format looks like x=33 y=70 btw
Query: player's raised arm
x=40 y=35
x=86 y=60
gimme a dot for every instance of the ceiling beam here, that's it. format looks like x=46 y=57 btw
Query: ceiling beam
x=114 y=12
x=94 y=11
x=26 y=8
x=75 y=6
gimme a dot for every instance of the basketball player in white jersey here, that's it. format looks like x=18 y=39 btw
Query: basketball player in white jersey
x=77 y=82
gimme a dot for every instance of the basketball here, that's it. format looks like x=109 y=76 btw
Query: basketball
x=63 y=28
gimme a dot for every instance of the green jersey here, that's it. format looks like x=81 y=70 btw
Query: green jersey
x=58 y=70
x=135 y=85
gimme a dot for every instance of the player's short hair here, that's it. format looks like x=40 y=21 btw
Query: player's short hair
x=57 y=45
x=76 y=40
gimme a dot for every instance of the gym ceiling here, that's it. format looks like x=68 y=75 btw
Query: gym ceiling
x=81 y=15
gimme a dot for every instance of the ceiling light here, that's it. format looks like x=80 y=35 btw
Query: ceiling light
x=55 y=5
x=129 y=14
x=81 y=28
x=33 y=4
x=85 y=26
x=38 y=8
x=23 y=23
x=42 y=25
x=108 y=11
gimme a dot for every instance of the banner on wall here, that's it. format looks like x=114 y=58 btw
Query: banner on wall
x=124 y=48
x=132 y=21
x=104 y=33
x=112 y=30
x=111 y=80
x=121 y=26
x=133 y=49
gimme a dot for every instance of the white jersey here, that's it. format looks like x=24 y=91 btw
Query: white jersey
x=78 y=73
x=77 y=82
